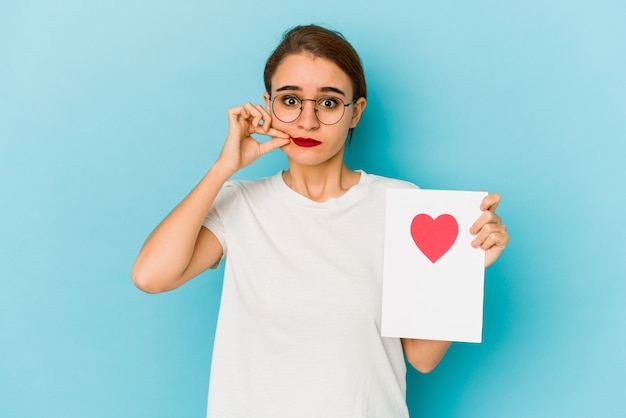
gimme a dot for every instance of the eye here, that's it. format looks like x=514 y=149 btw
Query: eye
x=328 y=103
x=290 y=100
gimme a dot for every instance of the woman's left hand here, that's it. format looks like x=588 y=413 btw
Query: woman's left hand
x=490 y=232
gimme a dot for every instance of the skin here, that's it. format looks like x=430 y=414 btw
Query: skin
x=179 y=248
x=318 y=172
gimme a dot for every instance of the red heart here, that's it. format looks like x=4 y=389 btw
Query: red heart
x=434 y=237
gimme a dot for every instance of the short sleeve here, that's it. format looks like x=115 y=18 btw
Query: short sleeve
x=217 y=215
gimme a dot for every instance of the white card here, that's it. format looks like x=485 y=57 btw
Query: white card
x=433 y=279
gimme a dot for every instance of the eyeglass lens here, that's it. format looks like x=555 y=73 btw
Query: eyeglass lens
x=288 y=107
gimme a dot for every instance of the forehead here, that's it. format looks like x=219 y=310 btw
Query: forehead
x=310 y=74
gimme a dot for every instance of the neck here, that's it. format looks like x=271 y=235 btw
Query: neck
x=321 y=182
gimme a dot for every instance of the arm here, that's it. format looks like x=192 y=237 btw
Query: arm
x=180 y=248
x=491 y=236
x=424 y=355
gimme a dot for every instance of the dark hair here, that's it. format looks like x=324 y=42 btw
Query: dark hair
x=322 y=43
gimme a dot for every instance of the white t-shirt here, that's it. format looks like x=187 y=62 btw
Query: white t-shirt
x=298 y=332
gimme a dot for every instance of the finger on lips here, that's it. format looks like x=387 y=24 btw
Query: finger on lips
x=259 y=119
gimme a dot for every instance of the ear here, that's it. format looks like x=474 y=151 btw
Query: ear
x=359 y=107
x=266 y=97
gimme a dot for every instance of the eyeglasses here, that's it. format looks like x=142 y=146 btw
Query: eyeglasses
x=328 y=110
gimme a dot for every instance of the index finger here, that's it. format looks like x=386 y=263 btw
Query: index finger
x=265 y=121
x=276 y=133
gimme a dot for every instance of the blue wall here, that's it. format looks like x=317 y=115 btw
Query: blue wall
x=110 y=111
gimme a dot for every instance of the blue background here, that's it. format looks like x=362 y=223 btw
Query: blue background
x=111 y=111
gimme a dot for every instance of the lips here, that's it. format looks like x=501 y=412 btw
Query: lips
x=306 y=142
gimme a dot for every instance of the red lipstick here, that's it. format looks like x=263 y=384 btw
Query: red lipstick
x=306 y=142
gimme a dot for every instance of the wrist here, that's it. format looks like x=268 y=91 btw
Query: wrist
x=220 y=171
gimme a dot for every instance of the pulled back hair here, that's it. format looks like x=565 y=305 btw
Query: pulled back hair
x=322 y=43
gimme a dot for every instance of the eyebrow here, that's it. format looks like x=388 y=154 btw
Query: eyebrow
x=322 y=89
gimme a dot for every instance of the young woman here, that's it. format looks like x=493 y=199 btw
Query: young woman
x=299 y=325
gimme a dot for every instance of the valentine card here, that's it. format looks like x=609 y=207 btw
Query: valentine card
x=433 y=279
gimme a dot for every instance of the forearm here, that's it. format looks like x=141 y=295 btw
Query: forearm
x=168 y=250
x=424 y=355
x=178 y=248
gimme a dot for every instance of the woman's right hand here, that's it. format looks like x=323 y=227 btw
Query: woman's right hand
x=179 y=248
x=240 y=148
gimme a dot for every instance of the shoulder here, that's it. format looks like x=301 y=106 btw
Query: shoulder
x=247 y=186
x=237 y=192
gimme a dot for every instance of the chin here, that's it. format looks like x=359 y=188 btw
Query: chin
x=310 y=156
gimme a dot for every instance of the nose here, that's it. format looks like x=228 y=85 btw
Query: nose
x=308 y=118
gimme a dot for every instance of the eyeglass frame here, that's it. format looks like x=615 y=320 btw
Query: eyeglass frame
x=315 y=101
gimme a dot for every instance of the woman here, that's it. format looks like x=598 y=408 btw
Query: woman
x=299 y=325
